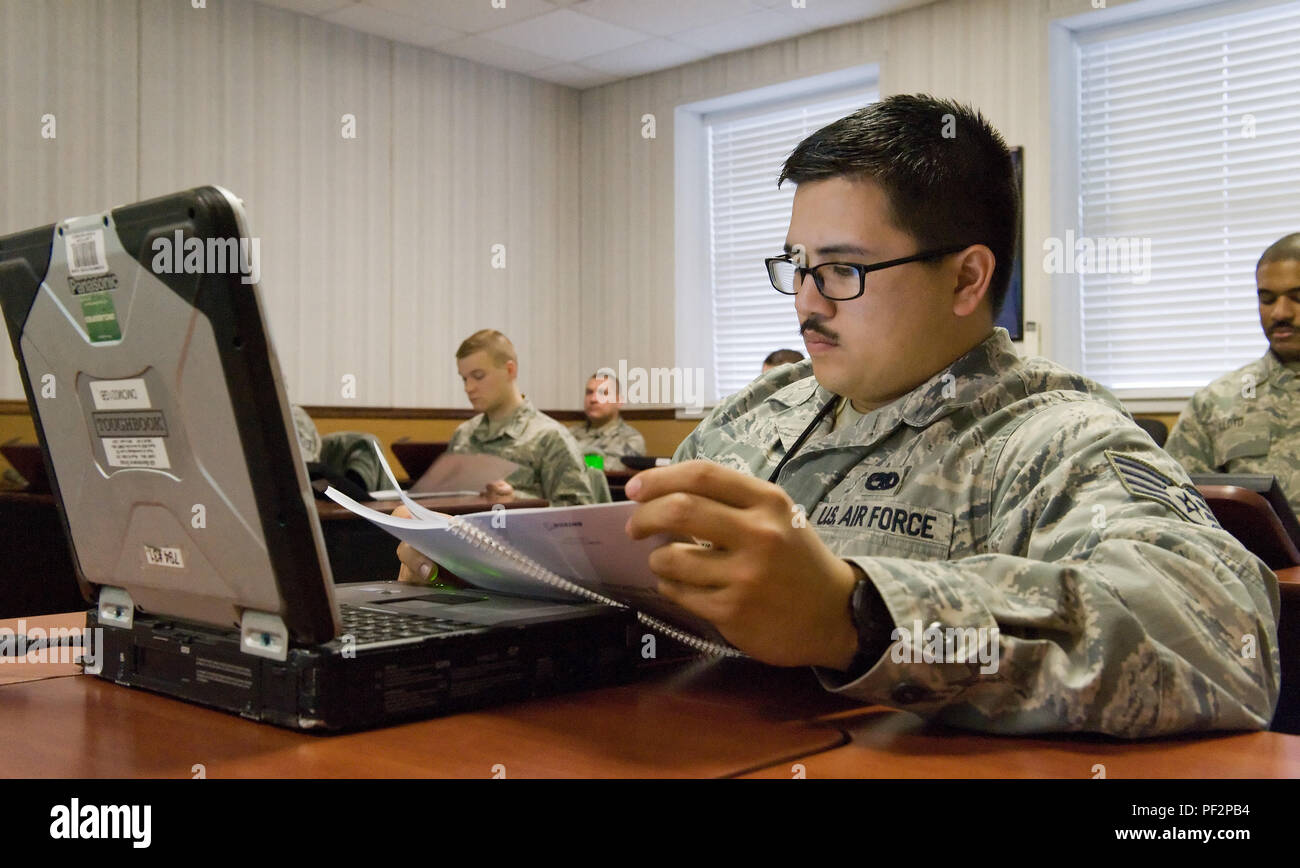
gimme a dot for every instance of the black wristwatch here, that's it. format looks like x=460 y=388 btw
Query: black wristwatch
x=873 y=623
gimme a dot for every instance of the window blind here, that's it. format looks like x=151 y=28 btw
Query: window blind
x=748 y=219
x=1187 y=149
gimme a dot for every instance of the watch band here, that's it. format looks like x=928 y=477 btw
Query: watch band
x=873 y=623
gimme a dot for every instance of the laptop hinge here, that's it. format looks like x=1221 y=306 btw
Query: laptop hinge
x=116 y=607
x=263 y=635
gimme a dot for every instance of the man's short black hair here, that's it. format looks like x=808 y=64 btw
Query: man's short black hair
x=946 y=172
x=1285 y=249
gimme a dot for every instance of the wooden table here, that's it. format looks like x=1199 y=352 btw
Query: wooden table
x=892 y=744
x=715 y=719
x=673 y=724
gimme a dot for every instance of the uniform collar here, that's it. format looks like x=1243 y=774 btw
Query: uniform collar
x=961 y=383
x=956 y=386
x=513 y=426
x=796 y=405
x=1276 y=371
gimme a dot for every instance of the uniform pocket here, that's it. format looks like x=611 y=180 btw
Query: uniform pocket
x=1240 y=439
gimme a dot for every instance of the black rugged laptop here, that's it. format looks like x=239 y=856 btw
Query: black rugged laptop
x=168 y=442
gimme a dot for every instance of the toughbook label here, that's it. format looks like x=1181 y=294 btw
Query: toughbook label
x=85 y=252
x=130 y=423
x=136 y=452
x=120 y=394
x=156 y=556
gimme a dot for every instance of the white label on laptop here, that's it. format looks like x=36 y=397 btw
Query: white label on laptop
x=120 y=394
x=163 y=557
x=85 y=253
x=136 y=452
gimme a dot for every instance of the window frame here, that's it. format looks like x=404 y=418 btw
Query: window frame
x=1065 y=40
x=693 y=297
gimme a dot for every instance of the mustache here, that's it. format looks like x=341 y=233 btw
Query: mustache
x=1281 y=325
x=814 y=324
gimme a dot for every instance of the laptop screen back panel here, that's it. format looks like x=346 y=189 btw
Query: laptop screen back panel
x=157 y=396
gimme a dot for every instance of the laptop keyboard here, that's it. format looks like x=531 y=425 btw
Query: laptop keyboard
x=368 y=627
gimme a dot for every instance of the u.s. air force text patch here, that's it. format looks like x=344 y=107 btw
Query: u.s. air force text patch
x=1142 y=479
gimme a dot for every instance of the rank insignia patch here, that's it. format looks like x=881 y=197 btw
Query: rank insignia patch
x=1144 y=480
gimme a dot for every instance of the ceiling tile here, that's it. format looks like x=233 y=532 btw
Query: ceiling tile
x=494 y=54
x=565 y=34
x=665 y=17
x=819 y=14
x=467 y=16
x=390 y=25
x=309 y=7
x=648 y=56
x=747 y=31
x=571 y=75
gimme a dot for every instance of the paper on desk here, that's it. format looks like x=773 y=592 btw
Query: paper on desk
x=432 y=536
x=457 y=471
x=588 y=546
x=585 y=545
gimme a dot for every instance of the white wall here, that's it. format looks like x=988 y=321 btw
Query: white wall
x=376 y=252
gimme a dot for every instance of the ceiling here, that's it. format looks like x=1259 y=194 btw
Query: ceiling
x=585 y=43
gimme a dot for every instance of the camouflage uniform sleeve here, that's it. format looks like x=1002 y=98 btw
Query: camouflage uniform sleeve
x=690 y=447
x=742 y=402
x=635 y=444
x=459 y=441
x=1190 y=442
x=1109 y=611
x=561 y=468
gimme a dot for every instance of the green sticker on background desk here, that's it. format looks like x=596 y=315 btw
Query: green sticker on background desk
x=100 y=316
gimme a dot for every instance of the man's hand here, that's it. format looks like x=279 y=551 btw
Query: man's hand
x=416 y=568
x=772 y=588
x=498 y=492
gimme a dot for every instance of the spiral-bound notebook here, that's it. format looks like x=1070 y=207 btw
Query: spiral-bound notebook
x=551 y=553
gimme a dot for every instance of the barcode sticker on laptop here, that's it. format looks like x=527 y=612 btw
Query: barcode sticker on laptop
x=86 y=253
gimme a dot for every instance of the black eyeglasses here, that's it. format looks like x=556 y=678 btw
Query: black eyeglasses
x=838 y=281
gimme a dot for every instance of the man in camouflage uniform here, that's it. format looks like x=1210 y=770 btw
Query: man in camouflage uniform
x=929 y=482
x=605 y=433
x=508 y=426
x=1248 y=421
x=308 y=436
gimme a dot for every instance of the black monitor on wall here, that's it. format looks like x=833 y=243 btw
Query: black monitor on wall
x=1012 y=316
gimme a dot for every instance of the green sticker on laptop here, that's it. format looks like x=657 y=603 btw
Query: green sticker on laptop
x=101 y=317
